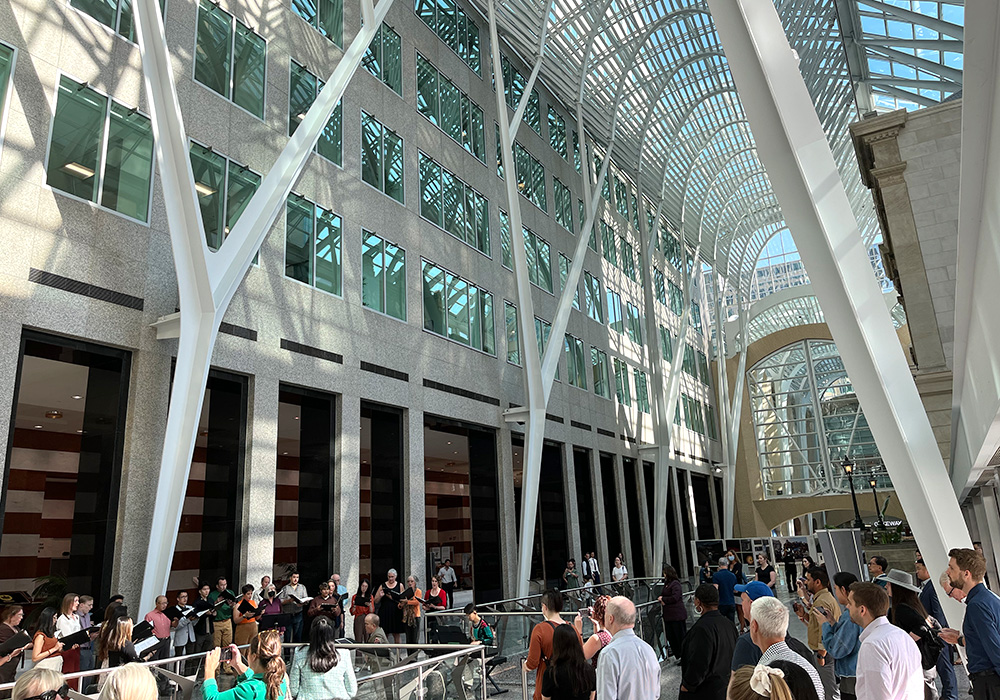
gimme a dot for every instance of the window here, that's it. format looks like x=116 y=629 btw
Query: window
x=608 y=244
x=634 y=323
x=615 y=311
x=543 y=329
x=383 y=276
x=703 y=368
x=622 y=390
x=696 y=316
x=506 y=254
x=628 y=258
x=592 y=241
x=453 y=27
x=539 y=258
x=710 y=424
x=671 y=247
x=513 y=340
x=676 y=298
x=381 y=157
x=557 y=132
x=635 y=210
x=303 y=89
x=641 y=391
x=312 y=244
x=576 y=152
x=325 y=16
x=224 y=189
x=383 y=58
x=576 y=369
x=599 y=365
x=530 y=177
x=693 y=418
x=621 y=197
x=564 y=265
x=689 y=365
x=116 y=14
x=453 y=205
x=666 y=344
x=606 y=185
x=450 y=109
x=659 y=286
x=563 y=205
x=6 y=70
x=514 y=84
x=457 y=309
x=114 y=172
x=592 y=297
x=230 y=58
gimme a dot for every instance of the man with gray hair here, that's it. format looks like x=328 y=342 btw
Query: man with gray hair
x=627 y=667
x=768 y=627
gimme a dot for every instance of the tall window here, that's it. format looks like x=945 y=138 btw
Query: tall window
x=576 y=368
x=622 y=390
x=706 y=377
x=592 y=297
x=564 y=265
x=599 y=366
x=606 y=184
x=383 y=276
x=608 y=244
x=628 y=258
x=116 y=14
x=621 y=197
x=381 y=157
x=312 y=244
x=383 y=58
x=696 y=316
x=512 y=332
x=539 y=258
x=671 y=247
x=641 y=391
x=303 y=89
x=445 y=105
x=689 y=366
x=563 y=205
x=530 y=173
x=634 y=323
x=230 y=58
x=666 y=344
x=635 y=210
x=659 y=286
x=676 y=298
x=446 y=19
x=457 y=309
x=557 y=132
x=710 y=425
x=576 y=152
x=325 y=16
x=693 y=418
x=453 y=205
x=114 y=172
x=224 y=189
x=6 y=70
x=514 y=84
x=615 y=316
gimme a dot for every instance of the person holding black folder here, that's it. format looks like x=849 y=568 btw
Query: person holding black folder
x=46 y=650
x=182 y=635
x=202 y=620
x=326 y=604
x=245 y=615
x=293 y=597
x=387 y=607
x=222 y=634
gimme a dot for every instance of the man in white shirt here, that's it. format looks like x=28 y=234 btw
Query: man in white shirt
x=888 y=660
x=448 y=579
x=595 y=570
x=627 y=667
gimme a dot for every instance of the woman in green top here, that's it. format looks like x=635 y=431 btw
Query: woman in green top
x=261 y=678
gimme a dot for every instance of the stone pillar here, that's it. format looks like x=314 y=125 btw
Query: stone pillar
x=622 y=514
x=415 y=529
x=572 y=511
x=347 y=487
x=260 y=477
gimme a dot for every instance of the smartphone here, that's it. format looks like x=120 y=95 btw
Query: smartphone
x=586 y=612
x=820 y=609
x=226 y=655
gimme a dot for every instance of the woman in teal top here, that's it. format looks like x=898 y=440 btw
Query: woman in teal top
x=261 y=678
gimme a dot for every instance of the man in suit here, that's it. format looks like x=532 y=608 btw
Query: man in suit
x=945 y=663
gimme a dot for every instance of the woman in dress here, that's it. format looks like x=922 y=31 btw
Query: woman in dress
x=434 y=599
x=246 y=623
x=361 y=605
x=601 y=637
x=66 y=624
x=46 y=650
x=10 y=620
x=390 y=615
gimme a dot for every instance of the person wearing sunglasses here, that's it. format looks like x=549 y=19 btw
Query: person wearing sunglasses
x=40 y=683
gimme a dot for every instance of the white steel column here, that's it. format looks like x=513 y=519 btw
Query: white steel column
x=207 y=281
x=794 y=150
x=988 y=500
x=683 y=547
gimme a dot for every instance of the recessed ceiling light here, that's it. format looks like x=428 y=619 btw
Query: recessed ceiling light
x=455 y=452
x=296 y=417
x=80 y=171
x=79 y=431
x=284 y=453
x=449 y=442
x=76 y=396
x=54 y=414
x=38 y=426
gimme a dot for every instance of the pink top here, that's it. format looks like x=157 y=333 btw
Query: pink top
x=161 y=624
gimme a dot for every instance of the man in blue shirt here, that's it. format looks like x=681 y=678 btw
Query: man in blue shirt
x=945 y=665
x=842 y=637
x=981 y=629
x=725 y=581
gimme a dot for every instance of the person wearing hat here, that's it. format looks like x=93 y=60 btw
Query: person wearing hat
x=842 y=638
x=746 y=652
x=908 y=613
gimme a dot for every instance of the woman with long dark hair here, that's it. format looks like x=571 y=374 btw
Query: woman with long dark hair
x=568 y=676
x=908 y=613
x=321 y=671
x=46 y=650
x=361 y=605
x=10 y=621
x=673 y=611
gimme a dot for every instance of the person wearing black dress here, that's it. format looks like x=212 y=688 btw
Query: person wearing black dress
x=390 y=614
x=568 y=675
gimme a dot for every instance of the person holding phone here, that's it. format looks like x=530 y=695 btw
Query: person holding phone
x=262 y=675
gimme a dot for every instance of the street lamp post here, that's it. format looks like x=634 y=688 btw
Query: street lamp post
x=881 y=521
x=848 y=466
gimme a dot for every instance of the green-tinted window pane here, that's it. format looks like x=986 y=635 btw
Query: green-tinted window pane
x=641 y=391
x=544 y=265
x=557 y=132
x=126 y=27
x=372 y=272
x=478 y=134
x=371 y=151
x=395 y=281
x=6 y=65
x=433 y=298
x=328 y=246
x=393 y=166
x=564 y=265
x=448 y=22
x=299 y=222
x=475 y=319
x=474 y=52
x=372 y=60
x=331 y=20
x=427 y=89
x=77 y=133
x=451 y=110
x=330 y=142
x=469 y=216
x=213 y=50
x=599 y=366
x=513 y=341
x=666 y=346
x=483 y=225
x=489 y=334
x=531 y=255
x=306 y=9
x=425 y=10
x=622 y=390
x=458 y=309
x=592 y=297
x=538 y=195
x=239 y=189
x=209 y=171
x=506 y=255
x=430 y=190
x=532 y=113
x=128 y=170
x=454 y=198
x=463 y=41
x=248 y=71
x=301 y=95
x=392 y=62
x=102 y=10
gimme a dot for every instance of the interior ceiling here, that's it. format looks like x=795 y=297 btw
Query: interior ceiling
x=50 y=385
x=651 y=76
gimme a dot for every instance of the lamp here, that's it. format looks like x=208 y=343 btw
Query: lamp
x=872 y=481
x=848 y=466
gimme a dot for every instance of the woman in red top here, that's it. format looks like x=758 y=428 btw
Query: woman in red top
x=361 y=605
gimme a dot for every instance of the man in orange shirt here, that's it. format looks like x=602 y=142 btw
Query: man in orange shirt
x=540 y=646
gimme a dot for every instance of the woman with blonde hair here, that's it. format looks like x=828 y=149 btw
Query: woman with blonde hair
x=37 y=681
x=262 y=676
x=130 y=682
x=757 y=682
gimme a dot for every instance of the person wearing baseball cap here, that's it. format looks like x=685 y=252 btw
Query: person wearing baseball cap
x=746 y=652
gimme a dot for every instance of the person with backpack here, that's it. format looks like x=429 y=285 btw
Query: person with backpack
x=540 y=646
x=908 y=613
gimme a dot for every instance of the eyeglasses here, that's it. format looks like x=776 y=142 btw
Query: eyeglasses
x=63 y=692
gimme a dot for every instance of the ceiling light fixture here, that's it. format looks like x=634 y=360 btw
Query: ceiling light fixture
x=54 y=414
x=38 y=426
x=76 y=396
x=203 y=189
x=80 y=171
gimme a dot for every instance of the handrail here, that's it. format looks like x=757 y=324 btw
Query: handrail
x=561 y=590
x=466 y=650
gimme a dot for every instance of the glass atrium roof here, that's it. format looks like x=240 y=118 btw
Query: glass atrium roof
x=652 y=77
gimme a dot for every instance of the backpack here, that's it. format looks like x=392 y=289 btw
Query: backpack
x=930 y=644
x=545 y=659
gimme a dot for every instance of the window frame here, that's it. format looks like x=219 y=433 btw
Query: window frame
x=361 y=147
x=482 y=41
x=284 y=246
x=467 y=186
x=406 y=296
x=339 y=105
x=423 y=325
x=7 y=97
x=506 y=339
x=416 y=79
x=232 y=54
x=225 y=206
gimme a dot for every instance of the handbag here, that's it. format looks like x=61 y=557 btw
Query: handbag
x=410 y=615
